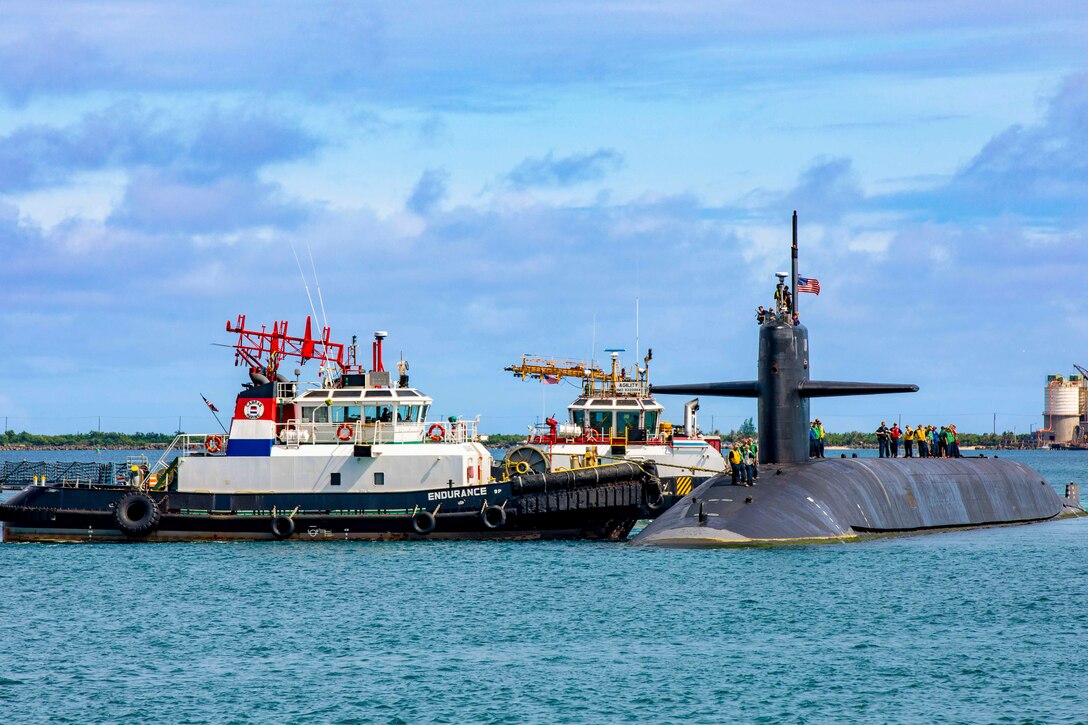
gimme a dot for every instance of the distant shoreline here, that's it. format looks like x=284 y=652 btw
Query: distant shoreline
x=145 y=447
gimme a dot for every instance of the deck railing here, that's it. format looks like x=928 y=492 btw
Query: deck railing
x=295 y=433
x=186 y=444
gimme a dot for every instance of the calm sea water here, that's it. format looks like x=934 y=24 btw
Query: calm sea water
x=981 y=626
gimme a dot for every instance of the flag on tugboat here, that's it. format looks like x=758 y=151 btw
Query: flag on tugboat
x=808 y=284
x=550 y=379
x=214 y=409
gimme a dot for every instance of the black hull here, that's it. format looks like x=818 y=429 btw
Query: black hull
x=837 y=500
x=606 y=512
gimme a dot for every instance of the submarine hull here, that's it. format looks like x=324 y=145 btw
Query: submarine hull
x=842 y=499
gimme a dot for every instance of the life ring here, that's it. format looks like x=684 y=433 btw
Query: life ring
x=136 y=514
x=591 y=435
x=521 y=467
x=283 y=527
x=493 y=517
x=423 y=522
x=213 y=443
x=441 y=432
x=345 y=432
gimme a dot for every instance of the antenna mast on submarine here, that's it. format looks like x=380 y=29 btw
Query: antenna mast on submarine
x=793 y=253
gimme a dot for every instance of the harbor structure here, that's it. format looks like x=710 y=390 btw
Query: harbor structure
x=1065 y=410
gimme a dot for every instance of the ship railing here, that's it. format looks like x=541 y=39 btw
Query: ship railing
x=541 y=434
x=286 y=392
x=187 y=444
x=295 y=432
x=454 y=431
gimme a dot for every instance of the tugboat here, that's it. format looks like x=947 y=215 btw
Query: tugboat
x=353 y=456
x=616 y=418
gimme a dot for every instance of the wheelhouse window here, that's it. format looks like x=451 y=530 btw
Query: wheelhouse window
x=378 y=414
x=601 y=421
x=345 y=413
x=320 y=414
x=407 y=413
x=625 y=421
x=651 y=420
x=578 y=417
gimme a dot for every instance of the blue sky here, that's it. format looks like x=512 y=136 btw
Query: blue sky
x=485 y=182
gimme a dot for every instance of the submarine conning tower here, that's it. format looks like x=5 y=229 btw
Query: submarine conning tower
x=783 y=387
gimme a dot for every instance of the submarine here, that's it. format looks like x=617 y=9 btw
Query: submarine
x=797 y=500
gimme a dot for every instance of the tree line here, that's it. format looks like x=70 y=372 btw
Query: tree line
x=96 y=439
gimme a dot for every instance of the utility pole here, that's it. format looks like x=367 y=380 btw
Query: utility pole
x=995 y=423
x=99 y=424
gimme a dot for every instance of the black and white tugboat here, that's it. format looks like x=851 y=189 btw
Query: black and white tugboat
x=353 y=456
x=614 y=419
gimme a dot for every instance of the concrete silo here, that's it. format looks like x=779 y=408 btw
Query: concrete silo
x=1061 y=409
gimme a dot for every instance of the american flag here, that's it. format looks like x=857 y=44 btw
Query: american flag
x=550 y=379
x=214 y=409
x=808 y=284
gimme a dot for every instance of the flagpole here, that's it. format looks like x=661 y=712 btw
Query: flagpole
x=214 y=414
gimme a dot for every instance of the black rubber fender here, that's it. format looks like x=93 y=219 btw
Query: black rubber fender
x=283 y=527
x=423 y=522
x=136 y=514
x=655 y=497
x=493 y=517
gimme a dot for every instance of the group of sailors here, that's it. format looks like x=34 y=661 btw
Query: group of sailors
x=931 y=441
x=816 y=439
x=743 y=460
x=783 y=306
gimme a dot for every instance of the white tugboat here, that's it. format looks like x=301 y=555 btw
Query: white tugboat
x=353 y=456
x=615 y=418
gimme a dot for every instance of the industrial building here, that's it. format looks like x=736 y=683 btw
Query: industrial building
x=1065 y=410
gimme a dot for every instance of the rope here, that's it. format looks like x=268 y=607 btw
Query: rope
x=672 y=465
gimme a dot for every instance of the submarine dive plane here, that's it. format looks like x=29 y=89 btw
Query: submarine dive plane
x=802 y=501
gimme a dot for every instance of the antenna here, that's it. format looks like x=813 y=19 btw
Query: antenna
x=593 y=345
x=317 y=282
x=636 y=331
x=304 y=284
x=793 y=281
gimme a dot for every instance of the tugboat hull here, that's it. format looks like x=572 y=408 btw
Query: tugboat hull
x=605 y=512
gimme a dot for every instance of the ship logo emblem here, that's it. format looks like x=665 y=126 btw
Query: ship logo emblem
x=254 y=409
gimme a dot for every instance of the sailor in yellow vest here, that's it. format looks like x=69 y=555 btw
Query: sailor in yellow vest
x=922 y=433
x=735 y=460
